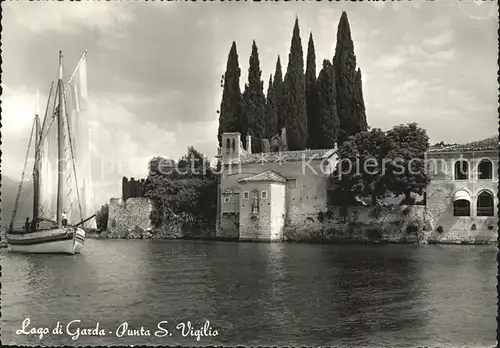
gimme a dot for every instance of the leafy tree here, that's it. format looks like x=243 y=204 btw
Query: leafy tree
x=254 y=102
x=230 y=109
x=350 y=104
x=186 y=188
x=324 y=125
x=361 y=172
x=406 y=170
x=293 y=112
x=102 y=216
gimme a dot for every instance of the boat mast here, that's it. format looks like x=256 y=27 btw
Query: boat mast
x=36 y=169
x=60 y=144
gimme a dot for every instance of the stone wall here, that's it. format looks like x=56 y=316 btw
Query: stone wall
x=391 y=224
x=229 y=225
x=129 y=215
x=397 y=224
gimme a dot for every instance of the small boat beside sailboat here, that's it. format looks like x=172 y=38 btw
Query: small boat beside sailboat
x=61 y=198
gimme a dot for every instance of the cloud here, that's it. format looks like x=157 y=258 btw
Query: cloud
x=445 y=38
x=391 y=62
x=18 y=108
x=69 y=17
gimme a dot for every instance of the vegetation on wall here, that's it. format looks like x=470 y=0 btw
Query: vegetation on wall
x=183 y=190
x=102 y=216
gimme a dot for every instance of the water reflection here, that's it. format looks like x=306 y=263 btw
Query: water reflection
x=259 y=294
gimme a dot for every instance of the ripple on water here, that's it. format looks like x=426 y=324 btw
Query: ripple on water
x=288 y=294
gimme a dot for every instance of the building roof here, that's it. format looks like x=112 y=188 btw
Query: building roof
x=265 y=176
x=488 y=144
x=284 y=156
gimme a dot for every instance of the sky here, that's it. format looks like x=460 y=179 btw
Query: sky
x=155 y=69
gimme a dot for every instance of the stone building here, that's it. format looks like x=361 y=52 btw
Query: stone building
x=259 y=194
x=461 y=199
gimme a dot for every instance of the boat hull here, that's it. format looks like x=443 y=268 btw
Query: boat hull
x=68 y=240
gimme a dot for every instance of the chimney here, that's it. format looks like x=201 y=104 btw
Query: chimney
x=249 y=144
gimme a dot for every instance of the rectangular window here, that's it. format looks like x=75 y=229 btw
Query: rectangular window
x=245 y=195
x=291 y=183
x=227 y=199
x=263 y=194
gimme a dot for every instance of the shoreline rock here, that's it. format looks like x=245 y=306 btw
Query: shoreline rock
x=155 y=235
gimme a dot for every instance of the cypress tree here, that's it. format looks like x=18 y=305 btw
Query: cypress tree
x=254 y=102
x=311 y=95
x=271 y=124
x=277 y=88
x=327 y=122
x=293 y=112
x=348 y=90
x=231 y=107
x=360 y=103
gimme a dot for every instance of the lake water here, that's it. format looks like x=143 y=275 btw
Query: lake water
x=255 y=294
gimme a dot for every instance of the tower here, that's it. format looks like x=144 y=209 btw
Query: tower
x=231 y=147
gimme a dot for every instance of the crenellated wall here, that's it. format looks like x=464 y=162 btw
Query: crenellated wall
x=133 y=188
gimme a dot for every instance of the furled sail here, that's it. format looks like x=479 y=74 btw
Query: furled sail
x=81 y=204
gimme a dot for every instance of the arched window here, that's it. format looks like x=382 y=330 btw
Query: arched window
x=228 y=145
x=234 y=145
x=485 y=204
x=461 y=170
x=461 y=203
x=485 y=170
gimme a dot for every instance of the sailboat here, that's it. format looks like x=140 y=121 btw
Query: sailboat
x=59 y=199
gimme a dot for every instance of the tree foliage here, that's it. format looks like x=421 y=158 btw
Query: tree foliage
x=254 y=102
x=292 y=100
x=231 y=104
x=324 y=124
x=188 y=186
x=360 y=173
x=101 y=218
x=293 y=112
x=271 y=119
x=406 y=173
x=374 y=164
x=277 y=91
x=313 y=129
x=350 y=104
